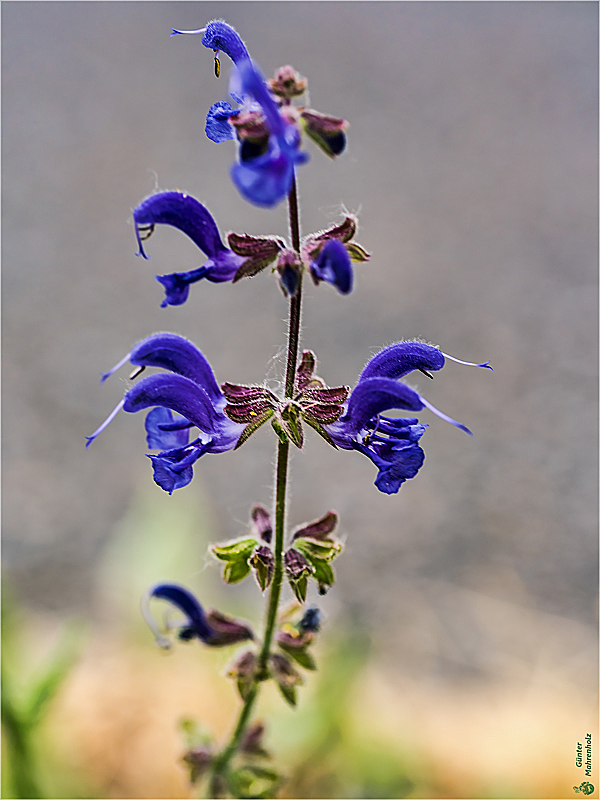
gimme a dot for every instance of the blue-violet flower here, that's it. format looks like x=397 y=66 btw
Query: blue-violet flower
x=191 y=391
x=211 y=627
x=189 y=216
x=267 y=155
x=392 y=444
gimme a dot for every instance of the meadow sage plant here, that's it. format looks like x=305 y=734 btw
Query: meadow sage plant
x=192 y=414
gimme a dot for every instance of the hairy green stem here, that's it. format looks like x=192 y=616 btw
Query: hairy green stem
x=221 y=762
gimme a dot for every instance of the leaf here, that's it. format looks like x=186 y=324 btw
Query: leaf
x=55 y=675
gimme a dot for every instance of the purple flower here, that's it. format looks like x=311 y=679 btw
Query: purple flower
x=212 y=627
x=392 y=444
x=333 y=265
x=189 y=216
x=191 y=391
x=219 y=36
x=268 y=152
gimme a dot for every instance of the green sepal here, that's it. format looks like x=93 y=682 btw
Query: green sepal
x=290 y=419
x=324 y=576
x=300 y=656
x=252 y=781
x=357 y=252
x=235 y=571
x=299 y=587
x=252 y=427
x=317 y=551
x=236 y=550
x=320 y=430
x=321 y=128
x=279 y=430
x=236 y=556
x=289 y=694
x=263 y=564
x=243 y=687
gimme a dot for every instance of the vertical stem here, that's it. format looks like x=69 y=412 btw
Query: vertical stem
x=296 y=300
x=221 y=761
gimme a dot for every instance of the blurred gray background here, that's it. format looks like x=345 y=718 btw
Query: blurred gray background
x=472 y=163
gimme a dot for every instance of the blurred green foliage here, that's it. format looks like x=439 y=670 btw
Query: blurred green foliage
x=27 y=700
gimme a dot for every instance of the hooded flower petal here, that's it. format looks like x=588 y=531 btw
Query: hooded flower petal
x=333 y=266
x=175 y=353
x=212 y=627
x=399 y=359
x=195 y=624
x=218 y=35
x=392 y=444
x=191 y=391
x=192 y=218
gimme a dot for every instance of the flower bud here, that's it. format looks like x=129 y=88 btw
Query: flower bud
x=297 y=570
x=287 y=83
x=264 y=564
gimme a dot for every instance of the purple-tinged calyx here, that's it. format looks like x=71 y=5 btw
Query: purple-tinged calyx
x=261 y=523
x=330 y=253
x=185 y=213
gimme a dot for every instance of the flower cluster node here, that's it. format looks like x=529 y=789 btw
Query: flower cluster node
x=287 y=83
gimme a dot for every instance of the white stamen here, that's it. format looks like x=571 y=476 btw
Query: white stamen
x=485 y=364
x=106 y=422
x=160 y=638
x=110 y=372
x=443 y=416
x=200 y=30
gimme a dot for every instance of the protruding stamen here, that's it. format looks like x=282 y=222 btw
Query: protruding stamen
x=217 y=64
x=443 y=416
x=424 y=371
x=175 y=32
x=485 y=364
x=160 y=638
x=106 y=422
x=116 y=367
x=137 y=371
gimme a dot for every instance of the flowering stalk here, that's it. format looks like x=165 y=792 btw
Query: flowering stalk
x=221 y=762
x=186 y=396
